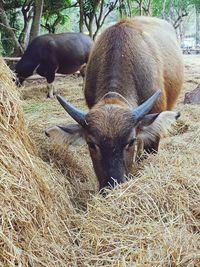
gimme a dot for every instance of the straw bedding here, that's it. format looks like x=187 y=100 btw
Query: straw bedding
x=52 y=215
x=34 y=205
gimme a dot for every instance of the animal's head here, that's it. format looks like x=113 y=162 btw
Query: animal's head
x=19 y=80
x=23 y=69
x=110 y=130
x=20 y=74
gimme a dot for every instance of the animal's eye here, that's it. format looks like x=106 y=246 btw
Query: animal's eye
x=131 y=143
x=92 y=145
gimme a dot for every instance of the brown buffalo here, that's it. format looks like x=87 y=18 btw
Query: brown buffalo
x=133 y=78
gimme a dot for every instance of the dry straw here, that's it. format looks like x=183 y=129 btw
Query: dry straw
x=35 y=208
x=50 y=214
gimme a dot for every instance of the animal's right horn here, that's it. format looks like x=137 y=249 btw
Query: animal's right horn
x=145 y=107
x=76 y=114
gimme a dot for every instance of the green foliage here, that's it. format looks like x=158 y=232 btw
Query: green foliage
x=159 y=10
x=58 y=14
x=54 y=13
x=13 y=15
x=13 y=4
x=197 y=4
x=90 y=7
x=52 y=7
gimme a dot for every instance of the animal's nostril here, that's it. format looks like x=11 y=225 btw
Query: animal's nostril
x=47 y=134
x=103 y=192
x=178 y=115
x=114 y=182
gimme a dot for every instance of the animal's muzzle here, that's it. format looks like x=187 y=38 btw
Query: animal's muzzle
x=19 y=81
x=113 y=182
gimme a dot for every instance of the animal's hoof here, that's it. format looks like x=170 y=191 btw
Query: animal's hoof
x=49 y=96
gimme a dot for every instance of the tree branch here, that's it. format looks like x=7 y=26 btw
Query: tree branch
x=101 y=22
x=179 y=19
x=3 y=17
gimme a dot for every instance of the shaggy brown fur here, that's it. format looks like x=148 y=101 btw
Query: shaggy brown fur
x=135 y=58
x=128 y=64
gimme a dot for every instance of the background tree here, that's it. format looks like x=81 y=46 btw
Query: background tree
x=27 y=12
x=174 y=11
x=96 y=12
x=197 y=8
x=54 y=14
x=126 y=8
x=35 y=27
x=9 y=31
x=20 y=17
x=81 y=15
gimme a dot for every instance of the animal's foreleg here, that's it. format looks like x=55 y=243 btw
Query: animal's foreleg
x=51 y=90
x=50 y=78
x=144 y=149
x=140 y=151
x=152 y=147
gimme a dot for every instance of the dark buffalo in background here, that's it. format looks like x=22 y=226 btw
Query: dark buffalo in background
x=63 y=53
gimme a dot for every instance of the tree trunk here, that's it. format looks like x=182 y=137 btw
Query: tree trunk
x=181 y=33
x=140 y=7
x=129 y=8
x=27 y=14
x=149 y=8
x=35 y=28
x=163 y=10
x=197 y=26
x=90 y=28
x=81 y=13
x=17 y=51
x=23 y=34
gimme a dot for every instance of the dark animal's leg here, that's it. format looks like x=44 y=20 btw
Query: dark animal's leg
x=51 y=72
x=144 y=150
x=50 y=86
x=140 y=151
x=82 y=74
x=152 y=147
x=83 y=71
x=48 y=70
x=51 y=90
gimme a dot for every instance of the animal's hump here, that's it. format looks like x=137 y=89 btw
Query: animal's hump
x=143 y=23
x=128 y=22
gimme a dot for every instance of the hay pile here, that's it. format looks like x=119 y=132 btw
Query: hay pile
x=154 y=220
x=35 y=209
x=49 y=217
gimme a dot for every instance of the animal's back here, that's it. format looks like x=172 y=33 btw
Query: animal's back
x=135 y=58
x=67 y=51
x=71 y=48
x=163 y=36
x=66 y=47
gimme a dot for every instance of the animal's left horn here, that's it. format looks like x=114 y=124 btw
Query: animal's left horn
x=145 y=107
x=76 y=114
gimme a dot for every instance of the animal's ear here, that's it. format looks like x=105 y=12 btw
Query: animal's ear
x=71 y=134
x=155 y=125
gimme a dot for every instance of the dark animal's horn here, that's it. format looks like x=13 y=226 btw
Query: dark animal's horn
x=145 y=107
x=76 y=114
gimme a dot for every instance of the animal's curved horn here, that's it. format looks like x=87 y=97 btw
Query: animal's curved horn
x=76 y=114
x=145 y=107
